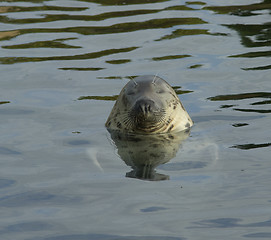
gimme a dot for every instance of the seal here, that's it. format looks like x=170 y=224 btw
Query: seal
x=148 y=105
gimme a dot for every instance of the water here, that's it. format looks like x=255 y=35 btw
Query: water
x=63 y=63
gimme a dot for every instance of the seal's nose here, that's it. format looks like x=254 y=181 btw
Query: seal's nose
x=145 y=106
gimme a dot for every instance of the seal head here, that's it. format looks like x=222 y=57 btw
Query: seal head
x=148 y=104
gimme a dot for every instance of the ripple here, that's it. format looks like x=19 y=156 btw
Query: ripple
x=195 y=3
x=169 y=57
x=119 y=27
x=57 y=43
x=111 y=77
x=243 y=96
x=105 y=98
x=7 y=9
x=240 y=96
x=4 y=102
x=60 y=17
x=252 y=110
x=118 y=61
x=82 y=69
x=261 y=103
x=9 y=34
x=267 y=67
x=98 y=17
x=45 y=14
x=253 y=35
x=152 y=209
x=240 y=8
x=227 y=106
x=12 y=60
x=240 y=124
x=184 y=32
x=251 y=146
x=122 y=2
x=253 y=54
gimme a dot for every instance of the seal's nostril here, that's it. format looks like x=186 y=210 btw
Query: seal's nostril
x=144 y=106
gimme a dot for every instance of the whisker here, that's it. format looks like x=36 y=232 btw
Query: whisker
x=133 y=81
x=134 y=121
x=154 y=79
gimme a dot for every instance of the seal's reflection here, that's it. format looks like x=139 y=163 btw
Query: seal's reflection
x=145 y=152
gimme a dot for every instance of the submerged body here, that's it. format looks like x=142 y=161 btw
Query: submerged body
x=148 y=104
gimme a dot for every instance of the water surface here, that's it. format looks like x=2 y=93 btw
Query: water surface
x=62 y=65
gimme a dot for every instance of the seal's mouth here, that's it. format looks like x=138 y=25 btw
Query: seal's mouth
x=146 y=116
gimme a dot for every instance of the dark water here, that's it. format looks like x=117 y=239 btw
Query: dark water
x=63 y=63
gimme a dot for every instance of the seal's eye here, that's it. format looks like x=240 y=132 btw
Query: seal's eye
x=160 y=91
x=130 y=92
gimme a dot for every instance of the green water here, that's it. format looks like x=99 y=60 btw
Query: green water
x=63 y=64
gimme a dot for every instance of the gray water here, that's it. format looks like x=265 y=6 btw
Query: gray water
x=62 y=64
